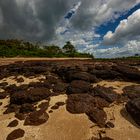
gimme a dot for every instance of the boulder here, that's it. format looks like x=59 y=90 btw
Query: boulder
x=71 y=75
x=98 y=116
x=29 y=96
x=15 y=134
x=132 y=92
x=106 y=93
x=133 y=108
x=78 y=86
x=27 y=108
x=82 y=103
x=36 y=118
x=128 y=72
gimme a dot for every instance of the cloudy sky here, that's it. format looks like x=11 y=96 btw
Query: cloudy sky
x=106 y=28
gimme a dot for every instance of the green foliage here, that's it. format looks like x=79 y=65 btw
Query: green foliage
x=69 y=49
x=19 y=48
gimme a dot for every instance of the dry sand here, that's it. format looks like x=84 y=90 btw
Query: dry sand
x=6 y=61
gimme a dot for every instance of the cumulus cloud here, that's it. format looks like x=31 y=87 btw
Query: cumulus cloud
x=39 y=19
x=129 y=49
x=96 y=12
x=128 y=29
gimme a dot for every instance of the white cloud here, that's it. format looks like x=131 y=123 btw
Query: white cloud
x=129 y=49
x=128 y=29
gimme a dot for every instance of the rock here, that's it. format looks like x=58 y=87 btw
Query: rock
x=36 y=118
x=20 y=116
x=82 y=103
x=60 y=103
x=38 y=94
x=98 y=116
x=30 y=96
x=133 y=108
x=0 y=103
x=78 y=86
x=26 y=108
x=44 y=106
x=17 y=133
x=54 y=107
x=12 y=108
x=52 y=80
x=59 y=87
x=4 y=84
x=103 y=138
x=106 y=93
x=57 y=105
x=106 y=74
x=109 y=125
x=14 y=123
x=71 y=76
x=132 y=92
x=128 y=72
x=3 y=95
x=50 y=111
x=20 y=80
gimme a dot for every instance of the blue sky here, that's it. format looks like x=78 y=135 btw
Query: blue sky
x=105 y=28
x=94 y=43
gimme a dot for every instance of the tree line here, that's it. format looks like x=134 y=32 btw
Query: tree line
x=20 y=48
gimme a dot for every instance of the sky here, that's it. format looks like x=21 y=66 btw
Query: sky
x=104 y=28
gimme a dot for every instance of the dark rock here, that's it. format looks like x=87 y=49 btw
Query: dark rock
x=3 y=95
x=38 y=94
x=106 y=74
x=4 y=84
x=59 y=87
x=17 y=133
x=71 y=76
x=133 y=108
x=12 y=108
x=13 y=88
x=128 y=72
x=26 y=108
x=30 y=96
x=60 y=103
x=103 y=138
x=0 y=103
x=109 y=125
x=78 y=86
x=20 y=80
x=50 y=111
x=107 y=93
x=82 y=103
x=52 y=80
x=20 y=116
x=14 y=123
x=44 y=84
x=57 y=105
x=44 y=105
x=98 y=116
x=36 y=118
x=132 y=92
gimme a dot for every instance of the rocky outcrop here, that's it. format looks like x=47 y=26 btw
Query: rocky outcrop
x=106 y=93
x=85 y=103
x=133 y=108
x=132 y=92
x=78 y=86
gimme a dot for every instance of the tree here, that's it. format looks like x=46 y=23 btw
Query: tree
x=52 y=50
x=69 y=49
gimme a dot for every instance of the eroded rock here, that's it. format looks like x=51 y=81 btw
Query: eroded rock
x=17 y=133
x=133 y=108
